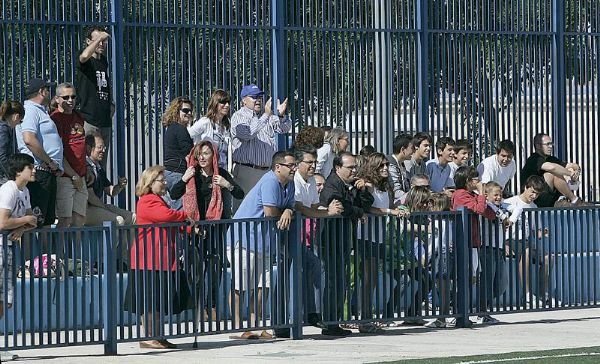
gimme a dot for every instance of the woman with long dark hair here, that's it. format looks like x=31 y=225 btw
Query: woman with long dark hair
x=214 y=125
x=176 y=143
x=11 y=114
x=208 y=192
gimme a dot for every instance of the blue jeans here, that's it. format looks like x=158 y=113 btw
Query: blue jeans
x=172 y=178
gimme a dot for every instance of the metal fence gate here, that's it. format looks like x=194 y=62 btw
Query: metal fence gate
x=483 y=70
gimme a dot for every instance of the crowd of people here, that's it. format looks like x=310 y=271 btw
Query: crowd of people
x=226 y=165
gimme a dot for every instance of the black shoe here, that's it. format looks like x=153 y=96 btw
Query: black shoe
x=335 y=331
x=414 y=322
x=282 y=333
x=314 y=319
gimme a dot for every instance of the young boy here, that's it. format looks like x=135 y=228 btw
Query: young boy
x=534 y=185
x=491 y=253
x=462 y=155
x=15 y=218
x=470 y=194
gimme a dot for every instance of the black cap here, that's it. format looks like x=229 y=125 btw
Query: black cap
x=35 y=84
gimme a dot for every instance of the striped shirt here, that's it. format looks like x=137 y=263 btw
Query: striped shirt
x=253 y=138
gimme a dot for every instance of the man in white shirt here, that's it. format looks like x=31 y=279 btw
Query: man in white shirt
x=501 y=167
x=307 y=202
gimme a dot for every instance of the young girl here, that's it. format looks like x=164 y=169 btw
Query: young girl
x=443 y=255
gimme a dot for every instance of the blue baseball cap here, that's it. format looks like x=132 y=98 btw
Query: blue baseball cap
x=251 y=90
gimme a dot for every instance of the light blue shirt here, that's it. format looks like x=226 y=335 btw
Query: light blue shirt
x=438 y=175
x=38 y=121
x=267 y=192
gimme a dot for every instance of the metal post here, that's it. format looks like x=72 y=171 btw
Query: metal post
x=383 y=114
x=463 y=281
x=296 y=278
x=109 y=289
x=118 y=93
x=559 y=96
x=279 y=60
x=423 y=65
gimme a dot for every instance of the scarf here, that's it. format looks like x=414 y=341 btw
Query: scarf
x=190 y=200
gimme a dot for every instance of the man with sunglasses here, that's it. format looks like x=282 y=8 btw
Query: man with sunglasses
x=254 y=133
x=561 y=177
x=71 y=189
x=93 y=83
x=256 y=243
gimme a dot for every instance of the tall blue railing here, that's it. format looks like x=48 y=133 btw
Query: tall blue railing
x=110 y=284
x=485 y=71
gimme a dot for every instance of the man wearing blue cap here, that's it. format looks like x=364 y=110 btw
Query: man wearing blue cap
x=254 y=133
x=38 y=136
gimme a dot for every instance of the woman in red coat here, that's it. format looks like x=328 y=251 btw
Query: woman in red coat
x=155 y=288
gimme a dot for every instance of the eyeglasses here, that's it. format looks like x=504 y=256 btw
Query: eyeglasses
x=289 y=165
x=186 y=110
x=101 y=149
x=352 y=168
x=314 y=163
x=69 y=97
x=254 y=97
x=549 y=144
x=225 y=101
x=163 y=181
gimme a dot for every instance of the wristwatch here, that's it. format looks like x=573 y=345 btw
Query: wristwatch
x=74 y=178
x=230 y=188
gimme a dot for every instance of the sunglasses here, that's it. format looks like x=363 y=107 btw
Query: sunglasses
x=224 y=101
x=69 y=97
x=186 y=110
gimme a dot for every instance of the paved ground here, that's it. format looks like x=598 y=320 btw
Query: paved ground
x=518 y=332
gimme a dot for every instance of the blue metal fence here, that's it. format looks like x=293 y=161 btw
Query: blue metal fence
x=80 y=286
x=483 y=70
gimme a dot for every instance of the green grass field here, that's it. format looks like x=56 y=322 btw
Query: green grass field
x=579 y=355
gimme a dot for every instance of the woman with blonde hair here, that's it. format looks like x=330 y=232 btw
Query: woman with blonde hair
x=214 y=125
x=154 y=287
x=335 y=142
x=11 y=114
x=177 y=143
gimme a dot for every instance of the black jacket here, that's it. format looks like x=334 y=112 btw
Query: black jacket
x=356 y=202
x=203 y=192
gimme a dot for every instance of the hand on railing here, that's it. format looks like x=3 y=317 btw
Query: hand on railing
x=285 y=220
x=335 y=208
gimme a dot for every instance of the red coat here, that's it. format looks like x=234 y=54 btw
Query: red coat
x=474 y=203
x=158 y=243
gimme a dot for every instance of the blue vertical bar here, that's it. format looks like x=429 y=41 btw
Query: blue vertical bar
x=108 y=288
x=118 y=91
x=559 y=98
x=422 y=65
x=279 y=60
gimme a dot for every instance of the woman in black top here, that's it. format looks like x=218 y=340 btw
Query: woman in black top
x=11 y=114
x=177 y=144
x=210 y=205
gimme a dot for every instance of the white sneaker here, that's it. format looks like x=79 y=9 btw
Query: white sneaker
x=7 y=356
x=487 y=320
x=450 y=323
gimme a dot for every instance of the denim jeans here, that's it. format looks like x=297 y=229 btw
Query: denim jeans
x=172 y=178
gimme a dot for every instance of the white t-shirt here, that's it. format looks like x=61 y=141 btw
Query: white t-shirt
x=376 y=223
x=325 y=157
x=15 y=200
x=204 y=129
x=515 y=206
x=305 y=191
x=490 y=170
